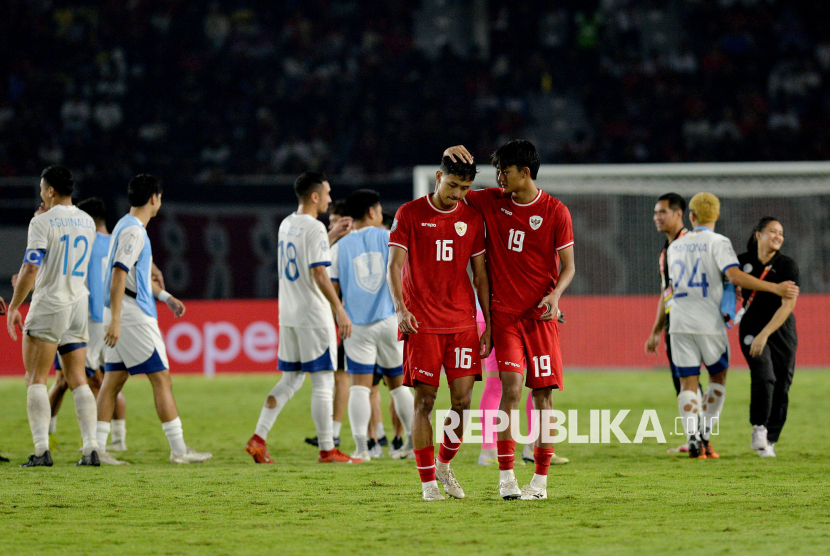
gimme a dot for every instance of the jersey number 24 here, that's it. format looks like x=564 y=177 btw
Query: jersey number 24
x=702 y=284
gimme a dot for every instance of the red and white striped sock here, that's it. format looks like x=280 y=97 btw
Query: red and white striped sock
x=425 y=462
x=448 y=450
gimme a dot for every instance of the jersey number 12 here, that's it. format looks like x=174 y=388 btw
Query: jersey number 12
x=78 y=264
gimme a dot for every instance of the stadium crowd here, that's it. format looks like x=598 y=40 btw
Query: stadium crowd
x=191 y=89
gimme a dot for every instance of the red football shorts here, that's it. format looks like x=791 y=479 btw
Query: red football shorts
x=425 y=354
x=524 y=343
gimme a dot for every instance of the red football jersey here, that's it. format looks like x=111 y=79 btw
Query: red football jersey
x=523 y=244
x=439 y=245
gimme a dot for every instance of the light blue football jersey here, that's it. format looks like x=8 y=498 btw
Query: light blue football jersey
x=130 y=250
x=359 y=263
x=95 y=276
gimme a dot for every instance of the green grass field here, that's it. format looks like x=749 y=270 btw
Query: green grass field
x=611 y=499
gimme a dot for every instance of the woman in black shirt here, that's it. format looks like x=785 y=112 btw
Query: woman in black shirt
x=767 y=333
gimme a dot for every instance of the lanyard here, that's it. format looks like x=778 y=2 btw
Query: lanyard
x=743 y=310
x=752 y=295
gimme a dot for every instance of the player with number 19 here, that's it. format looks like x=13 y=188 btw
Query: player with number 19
x=433 y=240
x=55 y=265
x=528 y=234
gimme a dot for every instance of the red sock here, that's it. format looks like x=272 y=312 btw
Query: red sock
x=542 y=457
x=425 y=461
x=448 y=450
x=506 y=450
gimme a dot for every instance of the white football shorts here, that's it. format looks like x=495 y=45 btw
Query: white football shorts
x=65 y=327
x=689 y=351
x=95 y=347
x=375 y=343
x=307 y=349
x=139 y=350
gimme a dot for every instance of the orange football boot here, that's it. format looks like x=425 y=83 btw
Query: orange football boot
x=336 y=456
x=257 y=448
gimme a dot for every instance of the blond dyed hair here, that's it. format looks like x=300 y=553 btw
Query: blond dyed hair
x=706 y=208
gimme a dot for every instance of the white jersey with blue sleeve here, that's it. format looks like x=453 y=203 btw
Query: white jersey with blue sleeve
x=303 y=245
x=130 y=250
x=697 y=263
x=358 y=262
x=95 y=277
x=59 y=242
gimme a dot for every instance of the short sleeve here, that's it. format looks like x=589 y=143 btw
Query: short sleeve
x=334 y=272
x=319 y=253
x=724 y=254
x=789 y=271
x=36 y=242
x=399 y=236
x=478 y=243
x=130 y=245
x=563 y=230
x=475 y=198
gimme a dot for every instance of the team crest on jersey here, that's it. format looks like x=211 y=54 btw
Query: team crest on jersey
x=461 y=228
x=129 y=248
x=535 y=222
x=394 y=225
x=369 y=271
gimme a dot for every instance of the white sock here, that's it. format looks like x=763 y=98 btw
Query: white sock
x=360 y=412
x=86 y=410
x=335 y=428
x=404 y=407
x=53 y=424
x=283 y=391
x=37 y=407
x=539 y=481
x=426 y=485
x=713 y=400
x=441 y=464
x=506 y=475
x=175 y=435
x=119 y=430
x=322 y=406
x=688 y=403
x=103 y=432
x=381 y=432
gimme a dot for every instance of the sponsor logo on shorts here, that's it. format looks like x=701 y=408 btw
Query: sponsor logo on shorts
x=423 y=372
x=749 y=339
x=748 y=268
x=512 y=364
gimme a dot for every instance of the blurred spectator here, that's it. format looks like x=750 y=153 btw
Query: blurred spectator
x=192 y=89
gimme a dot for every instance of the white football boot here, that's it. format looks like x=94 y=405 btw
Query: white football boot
x=447 y=478
x=109 y=459
x=364 y=456
x=432 y=494
x=531 y=492
x=769 y=452
x=120 y=446
x=190 y=456
x=509 y=489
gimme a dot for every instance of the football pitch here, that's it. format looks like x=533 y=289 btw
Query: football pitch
x=611 y=499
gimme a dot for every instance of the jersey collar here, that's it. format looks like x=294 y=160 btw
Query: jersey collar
x=538 y=195
x=429 y=200
x=702 y=229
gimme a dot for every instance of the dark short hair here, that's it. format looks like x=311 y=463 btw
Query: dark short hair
x=338 y=208
x=388 y=219
x=359 y=202
x=519 y=153
x=307 y=182
x=142 y=188
x=60 y=179
x=95 y=207
x=676 y=202
x=460 y=169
